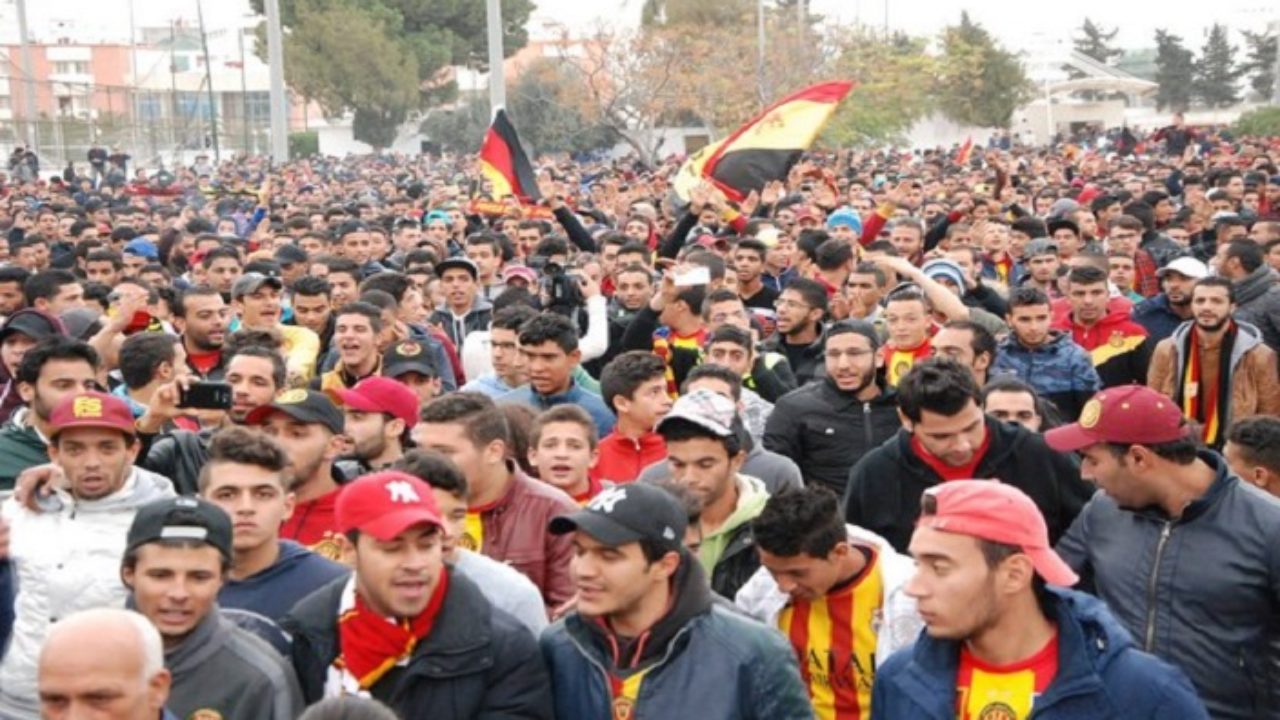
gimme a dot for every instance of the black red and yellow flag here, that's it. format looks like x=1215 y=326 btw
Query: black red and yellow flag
x=768 y=146
x=504 y=164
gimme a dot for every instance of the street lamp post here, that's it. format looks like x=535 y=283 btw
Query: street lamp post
x=275 y=60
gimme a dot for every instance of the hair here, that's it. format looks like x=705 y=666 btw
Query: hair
x=679 y=429
x=801 y=521
x=379 y=299
x=14 y=274
x=1032 y=227
x=833 y=254
x=717 y=372
x=712 y=262
x=982 y=340
x=564 y=414
x=513 y=317
x=1182 y=451
x=219 y=253
x=279 y=373
x=550 y=327
x=368 y=310
x=756 y=246
x=478 y=415
x=1248 y=252
x=1027 y=296
x=46 y=285
x=519 y=420
x=731 y=334
x=1086 y=275
x=485 y=239
x=635 y=247
x=811 y=292
x=141 y=355
x=1126 y=222
x=392 y=283
x=1050 y=416
x=1216 y=281
x=343 y=266
x=939 y=385
x=348 y=707
x=870 y=268
x=435 y=469
x=312 y=286
x=244 y=446
x=105 y=256
x=55 y=347
x=626 y=372
x=1258 y=440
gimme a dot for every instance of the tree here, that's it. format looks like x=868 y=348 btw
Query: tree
x=893 y=79
x=1263 y=122
x=1093 y=41
x=548 y=105
x=1261 y=62
x=1215 y=72
x=459 y=130
x=1175 y=72
x=719 y=13
x=979 y=82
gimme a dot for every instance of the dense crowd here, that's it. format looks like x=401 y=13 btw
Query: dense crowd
x=953 y=433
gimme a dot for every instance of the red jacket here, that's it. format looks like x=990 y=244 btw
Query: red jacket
x=622 y=459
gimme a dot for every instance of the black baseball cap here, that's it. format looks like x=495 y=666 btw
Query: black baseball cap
x=457 y=262
x=288 y=255
x=33 y=323
x=626 y=514
x=408 y=356
x=181 y=518
x=250 y=282
x=305 y=406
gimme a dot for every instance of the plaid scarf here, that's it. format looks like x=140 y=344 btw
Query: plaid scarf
x=1206 y=400
x=372 y=644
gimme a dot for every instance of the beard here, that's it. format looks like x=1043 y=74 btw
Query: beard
x=1212 y=327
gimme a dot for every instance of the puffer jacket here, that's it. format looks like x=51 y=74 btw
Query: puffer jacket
x=762 y=599
x=1258 y=303
x=1201 y=591
x=65 y=561
x=1101 y=675
x=1059 y=370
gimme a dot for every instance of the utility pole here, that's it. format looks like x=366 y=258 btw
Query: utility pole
x=1275 y=69
x=28 y=80
x=244 y=97
x=760 y=53
x=173 y=84
x=279 y=105
x=133 y=95
x=208 y=76
x=497 y=79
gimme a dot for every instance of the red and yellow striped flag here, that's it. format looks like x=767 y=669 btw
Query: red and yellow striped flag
x=503 y=162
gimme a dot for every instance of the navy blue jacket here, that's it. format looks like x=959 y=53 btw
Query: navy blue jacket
x=1101 y=674
x=1155 y=315
x=1060 y=370
x=259 y=602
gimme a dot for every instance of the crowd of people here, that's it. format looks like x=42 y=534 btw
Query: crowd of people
x=926 y=434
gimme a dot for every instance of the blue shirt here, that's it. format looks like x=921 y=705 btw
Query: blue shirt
x=575 y=395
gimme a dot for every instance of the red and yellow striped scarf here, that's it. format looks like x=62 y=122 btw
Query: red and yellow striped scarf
x=1206 y=400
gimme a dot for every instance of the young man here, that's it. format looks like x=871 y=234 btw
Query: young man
x=355 y=337
x=1253 y=452
x=485 y=251
x=507 y=510
x=945 y=436
x=563 y=447
x=202 y=316
x=246 y=477
x=909 y=324
x=645 y=617
x=799 y=336
x=1257 y=294
x=1117 y=345
x=312 y=304
x=407 y=630
x=380 y=413
x=969 y=344
x=147 y=361
x=1160 y=489
x=827 y=425
x=1216 y=369
x=549 y=348
x=1009 y=399
x=256 y=298
x=1004 y=637
x=1121 y=274
x=671 y=327
x=1047 y=360
x=835 y=591
x=1042 y=263
x=705 y=450
x=54 y=292
x=410 y=364
x=66 y=557
x=1162 y=314
x=634 y=386
x=175 y=562
x=509 y=370
x=748 y=264
x=464 y=309
x=309 y=427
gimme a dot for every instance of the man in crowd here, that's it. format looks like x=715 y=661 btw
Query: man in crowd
x=671 y=327
x=1046 y=359
x=827 y=425
x=256 y=298
x=563 y=445
x=635 y=581
x=175 y=562
x=1162 y=314
x=634 y=386
x=969 y=344
x=1041 y=261
x=799 y=335
x=201 y=315
x=410 y=364
x=909 y=324
x=509 y=368
x=1257 y=294
x=355 y=337
x=1009 y=399
x=1117 y=345
x=464 y=310
x=549 y=348
x=1004 y=637
x=1253 y=452
x=748 y=264
x=1161 y=490
x=945 y=436
x=379 y=415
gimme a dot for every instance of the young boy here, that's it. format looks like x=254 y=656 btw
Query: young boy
x=1122 y=272
x=1253 y=452
x=563 y=446
x=634 y=386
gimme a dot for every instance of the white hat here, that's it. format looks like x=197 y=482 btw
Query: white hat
x=1185 y=266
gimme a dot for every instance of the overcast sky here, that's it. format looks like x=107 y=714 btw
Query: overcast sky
x=1018 y=23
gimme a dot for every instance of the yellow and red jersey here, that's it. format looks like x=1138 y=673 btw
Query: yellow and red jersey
x=990 y=692
x=898 y=362
x=834 y=638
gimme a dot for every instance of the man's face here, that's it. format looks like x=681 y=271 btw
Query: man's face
x=648 y=404
x=99 y=678
x=261 y=308
x=995 y=239
x=133 y=265
x=1123 y=240
x=222 y=274
x=58 y=380
x=453 y=510
x=907 y=322
x=252 y=382
x=69 y=297
x=412 y=309
x=397 y=577
x=611 y=580
x=344 y=287
x=1179 y=235
x=1121 y=272
x=549 y=366
x=11 y=298
x=803 y=577
x=1088 y=224
x=311 y=245
x=356 y=247
x=636 y=230
x=748 y=264
x=729 y=355
x=312 y=311
x=504 y=353
x=850 y=362
x=1177 y=287
x=563 y=455
x=450 y=440
x=954 y=439
x=1088 y=302
x=253 y=497
x=95 y=461
x=1043 y=268
x=485 y=257
x=308 y=445
x=1273 y=259
x=863 y=294
x=1030 y=324
x=957 y=344
x=368 y=431
x=906 y=240
x=1015 y=407
x=102 y=271
x=633 y=289
x=954 y=589
x=47 y=224
x=459 y=288
x=175 y=587
x=205 y=324
x=704 y=467
x=1115 y=476
x=527 y=241
x=794 y=314
x=356 y=340
x=1212 y=307
x=14 y=348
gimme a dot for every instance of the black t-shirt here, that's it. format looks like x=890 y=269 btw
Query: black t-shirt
x=763 y=299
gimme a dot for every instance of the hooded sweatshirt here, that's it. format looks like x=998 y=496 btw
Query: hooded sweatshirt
x=272 y=592
x=9 y=398
x=1116 y=344
x=21 y=447
x=751 y=499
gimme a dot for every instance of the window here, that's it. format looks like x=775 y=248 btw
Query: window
x=71 y=67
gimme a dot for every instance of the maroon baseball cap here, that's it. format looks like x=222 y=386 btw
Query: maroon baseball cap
x=386 y=504
x=1125 y=415
x=379 y=395
x=93 y=410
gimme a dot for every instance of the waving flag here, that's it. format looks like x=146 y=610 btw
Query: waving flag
x=962 y=157
x=503 y=162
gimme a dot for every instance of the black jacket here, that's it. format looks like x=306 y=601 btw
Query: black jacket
x=807 y=361
x=737 y=564
x=825 y=431
x=770 y=377
x=477 y=662
x=885 y=486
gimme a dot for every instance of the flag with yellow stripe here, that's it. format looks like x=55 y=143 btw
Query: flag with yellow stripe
x=504 y=163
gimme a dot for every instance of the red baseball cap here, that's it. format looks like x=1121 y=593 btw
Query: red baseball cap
x=95 y=410
x=386 y=504
x=991 y=510
x=1126 y=415
x=381 y=395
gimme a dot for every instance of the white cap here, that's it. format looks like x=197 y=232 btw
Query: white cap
x=1186 y=266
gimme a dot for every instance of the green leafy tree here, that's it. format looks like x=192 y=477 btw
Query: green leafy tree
x=1175 y=72
x=978 y=82
x=1094 y=41
x=892 y=92
x=548 y=104
x=1260 y=64
x=1216 y=73
x=459 y=130
x=1259 y=122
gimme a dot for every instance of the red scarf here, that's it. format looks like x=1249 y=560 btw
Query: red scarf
x=372 y=644
x=1206 y=399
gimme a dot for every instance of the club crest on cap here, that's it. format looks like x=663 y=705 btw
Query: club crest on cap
x=87 y=407
x=291 y=397
x=409 y=348
x=1091 y=413
x=605 y=501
